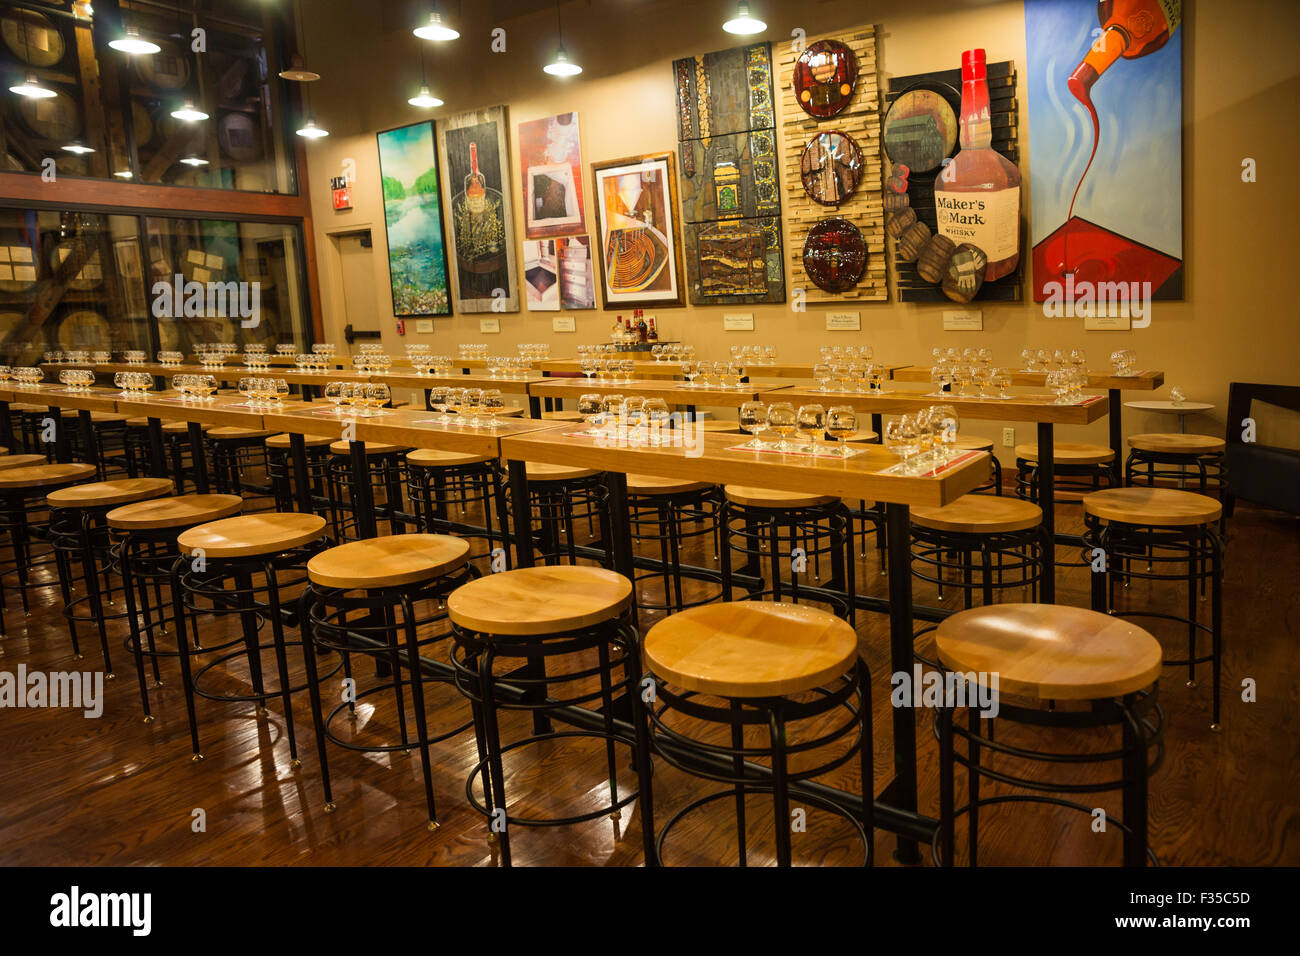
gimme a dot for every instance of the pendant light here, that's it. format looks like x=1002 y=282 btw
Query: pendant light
x=561 y=65
x=32 y=89
x=435 y=29
x=131 y=42
x=425 y=99
x=194 y=160
x=78 y=147
x=123 y=174
x=742 y=23
x=310 y=130
x=298 y=72
x=189 y=113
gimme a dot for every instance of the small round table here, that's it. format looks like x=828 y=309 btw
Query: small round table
x=1182 y=410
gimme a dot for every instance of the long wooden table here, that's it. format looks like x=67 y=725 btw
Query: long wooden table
x=674 y=393
x=1041 y=409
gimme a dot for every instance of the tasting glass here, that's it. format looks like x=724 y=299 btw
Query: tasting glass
x=781 y=418
x=811 y=420
x=493 y=404
x=841 y=425
x=656 y=415
x=590 y=407
x=753 y=416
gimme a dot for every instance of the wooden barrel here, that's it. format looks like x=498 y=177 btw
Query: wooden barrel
x=168 y=69
x=239 y=137
x=56 y=118
x=83 y=329
x=91 y=274
x=32 y=37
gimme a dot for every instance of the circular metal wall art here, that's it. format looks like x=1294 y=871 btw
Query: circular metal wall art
x=834 y=255
x=824 y=77
x=920 y=130
x=831 y=167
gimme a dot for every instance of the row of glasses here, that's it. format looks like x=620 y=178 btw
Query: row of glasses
x=133 y=383
x=631 y=417
x=371 y=361
x=27 y=376
x=312 y=362
x=712 y=374
x=509 y=367
x=362 y=398
x=135 y=357
x=971 y=381
x=257 y=361
x=845 y=353
x=752 y=355
x=1044 y=360
x=813 y=421
x=534 y=352
x=1067 y=384
x=672 y=353
x=1124 y=362
x=101 y=356
x=171 y=359
x=324 y=348
x=925 y=439
x=262 y=392
x=850 y=375
x=472 y=350
x=467 y=403
x=195 y=386
x=76 y=356
x=77 y=380
x=286 y=349
x=52 y=357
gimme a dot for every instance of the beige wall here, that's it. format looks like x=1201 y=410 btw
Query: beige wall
x=1241 y=84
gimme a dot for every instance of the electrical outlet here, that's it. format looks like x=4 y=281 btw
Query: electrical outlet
x=1008 y=438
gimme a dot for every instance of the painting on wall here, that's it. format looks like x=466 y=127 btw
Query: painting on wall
x=636 y=226
x=577 y=273
x=417 y=259
x=731 y=201
x=474 y=153
x=541 y=275
x=550 y=158
x=1105 y=135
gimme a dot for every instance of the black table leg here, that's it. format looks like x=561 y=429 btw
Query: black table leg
x=620 y=531
x=62 y=453
x=523 y=514
x=1116 y=437
x=534 y=406
x=89 y=450
x=157 y=460
x=301 y=480
x=878 y=426
x=198 y=458
x=902 y=790
x=6 y=428
x=363 y=506
x=1046 y=481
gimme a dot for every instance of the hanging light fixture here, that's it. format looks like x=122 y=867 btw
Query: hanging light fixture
x=79 y=148
x=189 y=112
x=425 y=99
x=194 y=160
x=742 y=23
x=123 y=174
x=435 y=29
x=310 y=130
x=561 y=65
x=298 y=71
x=32 y=89
x=131 y=42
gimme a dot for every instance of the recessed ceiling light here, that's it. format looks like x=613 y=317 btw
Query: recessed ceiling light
x=132 y=42
x=189 y=112
x=436 y=30
x=311 y=131
x=425 y=99
x=743 y=24
x=32 y=89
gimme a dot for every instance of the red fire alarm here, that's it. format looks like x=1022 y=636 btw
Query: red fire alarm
x=342 y=193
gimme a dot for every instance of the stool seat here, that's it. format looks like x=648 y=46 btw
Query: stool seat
x=310 y=441
x=122 y=491
x=538 y=601
x=511 y=411
x=751 y=648
x=341 y=447
x=768 y=498
x=1177 y=443
x=980 y=514
x=248 y=536
x=98 y=418
x=648 y=485
x=537 y=471
x=1069 y=453
x=1050 y=651
x=175 y=428
x=40 y=476
x=27 y=407
x=1151 y=506
x=227 y=432
x=976 y=443
x=390 y=561
x=22 y=461
x=183 y=512
x=435 y=458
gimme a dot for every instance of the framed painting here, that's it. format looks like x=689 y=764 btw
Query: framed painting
x=550 y=158
x=636 y=227
x=417 y=258
x=474 y=152
x=1105 y=133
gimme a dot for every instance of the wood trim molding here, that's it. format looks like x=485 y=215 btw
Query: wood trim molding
x=29 y=189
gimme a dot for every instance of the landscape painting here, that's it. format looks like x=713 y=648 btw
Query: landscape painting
x=1105 y=140
x=417 y=260
x=550 y=155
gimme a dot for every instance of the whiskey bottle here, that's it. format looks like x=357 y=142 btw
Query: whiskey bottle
x=642 y=331
x=652 y=334
x=475 y=188
x=1131 y=29
x=977 y=194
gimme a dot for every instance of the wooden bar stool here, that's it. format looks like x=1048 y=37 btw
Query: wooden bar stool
x=250 y=566
x=384 y=471
x=145 y=554
x=1173 y=533
x=1079 y=468
x=1169 y=456
x=979 y=544
x=279 y=469
x=1047 y=655
x=658 y=509
x=524 y=642
x=79 y=531
x=788 y=677
x=792 y=531
x=382 y=597
x=976 y=443
x=235 y=452
x=458 y=493
x=25 y=520
x=562 y=496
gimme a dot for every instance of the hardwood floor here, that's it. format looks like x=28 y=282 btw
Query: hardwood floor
x=114 y=790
